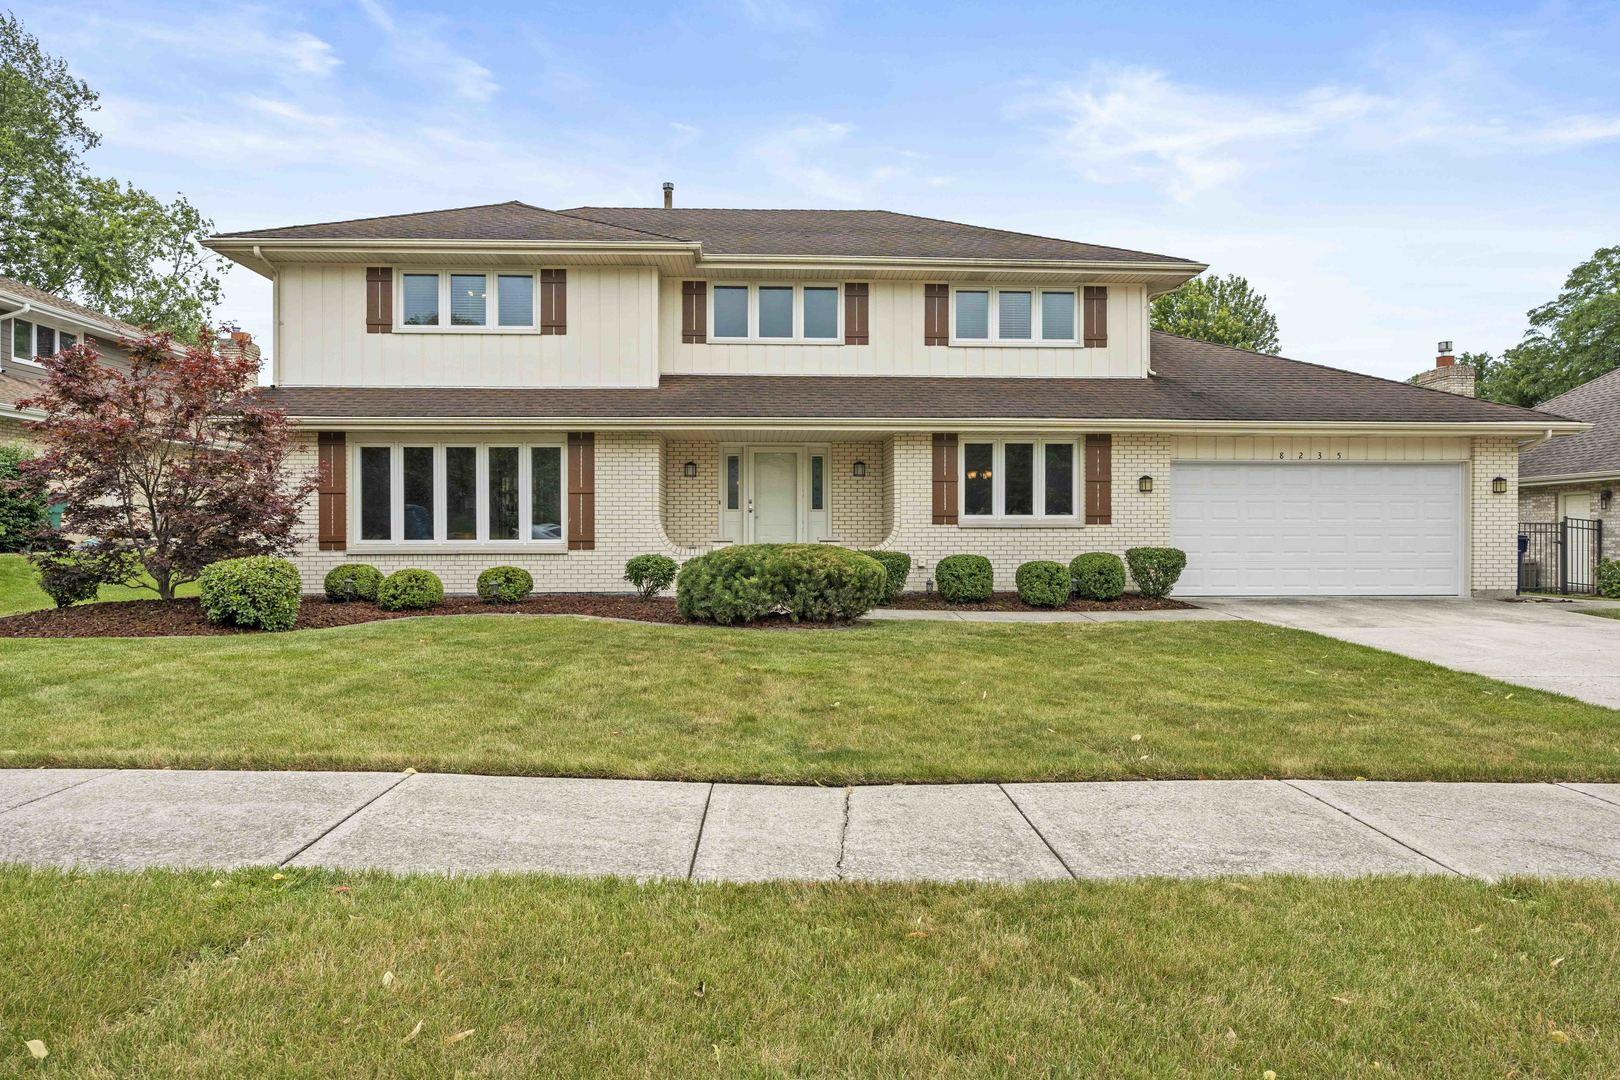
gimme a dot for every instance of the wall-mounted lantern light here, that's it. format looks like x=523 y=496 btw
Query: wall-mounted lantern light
x=1144 y=484
x=860 y=468
x=689 y=470
x=1605 y=499
x=1499 y=486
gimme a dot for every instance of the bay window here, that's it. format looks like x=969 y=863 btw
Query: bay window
x=446 y=300
x=1013 y=316
x=804 y=314
x=1015 y=480
x=486 y=493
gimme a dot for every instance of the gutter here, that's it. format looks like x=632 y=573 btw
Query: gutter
x=1569 y=478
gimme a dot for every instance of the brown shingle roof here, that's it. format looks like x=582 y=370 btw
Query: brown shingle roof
x=1195 y=381
x=497 y=221
x=1598 y=450
x=13 y=388
x=13 y=287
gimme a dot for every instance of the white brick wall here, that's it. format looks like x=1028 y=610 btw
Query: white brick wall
x=691 y=505
x=15 y=432
x=1494 y=518
x=857 y=501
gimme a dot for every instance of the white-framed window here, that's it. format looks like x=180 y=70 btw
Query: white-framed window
x=1033 y=315
x=806 y=314
x=466 y=301
x=1014 y=480
x=31 y=342
x=459 y=492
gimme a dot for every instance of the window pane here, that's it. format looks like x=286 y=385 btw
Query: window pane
x=1059 y=479
x=65 y=341
x=461 y=493
x=1018 y=479
x=776 y=311
x=22 y=339
x=545 y=501
x=503 y=493
x=978 y=484
x=731 y=311
x=44 y=341
x=467 y=296
x=973 y=315
x=516 y=296
x=421 y=300
x=1014 y=316
x=818 y=482
x=1057 y=316
x=376 y=496
x=733 y=481
x=821 y=313
x=418 y=492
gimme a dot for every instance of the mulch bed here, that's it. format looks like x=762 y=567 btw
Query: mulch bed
x=1009 y=601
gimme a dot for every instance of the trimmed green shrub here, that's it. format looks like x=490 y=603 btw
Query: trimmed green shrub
x=1098 y=575
x=1156 y=569
x=352 y=581
x=650 y=574
x=72 y=575
x=746 y=582
x=1608 y=578
x=897 y=564
x=504 y=584
x=410 y=589
x=259 y=590
x=24 y=511
x=1043 y=584
x=964 y=579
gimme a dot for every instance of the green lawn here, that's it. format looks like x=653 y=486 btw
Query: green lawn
x=1602 y=612
x=198 y=975
x=885 y=702
x=20 y=591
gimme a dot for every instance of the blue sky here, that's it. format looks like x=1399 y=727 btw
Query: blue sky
x=1388 y=175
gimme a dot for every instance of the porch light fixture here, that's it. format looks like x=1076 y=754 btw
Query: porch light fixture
x=1499 y=486
x=1144 y=484
x=1605 y=498
x=689 y=470
x=860 y=468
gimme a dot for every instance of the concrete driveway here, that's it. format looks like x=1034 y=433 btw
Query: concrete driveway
x=1549 y=646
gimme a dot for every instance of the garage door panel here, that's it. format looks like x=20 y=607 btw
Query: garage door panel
x=1255 y=528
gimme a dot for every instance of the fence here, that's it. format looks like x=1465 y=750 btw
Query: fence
x=1559 y=556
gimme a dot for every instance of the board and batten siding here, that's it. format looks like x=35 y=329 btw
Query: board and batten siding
x=611 y=338
x=896 y=344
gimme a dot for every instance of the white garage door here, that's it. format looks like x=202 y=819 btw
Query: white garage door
x=1258 y=529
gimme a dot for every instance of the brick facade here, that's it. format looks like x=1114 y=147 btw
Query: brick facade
x=1541 y=504
x=14 y=432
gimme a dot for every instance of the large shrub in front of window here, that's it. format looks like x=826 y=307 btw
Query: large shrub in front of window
x=258 y=591
x=352 y=581
x=411 y=590
x=898 y=566
x=1043 y=584
x=814 y=582
x=1156 y=569
x=1098 y=575
x=964 y=579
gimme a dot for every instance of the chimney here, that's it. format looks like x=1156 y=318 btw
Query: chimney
x=236 y=342
x=1447 y=374
x=669 y=195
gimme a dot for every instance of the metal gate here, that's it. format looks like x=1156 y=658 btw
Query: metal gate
x=1560 y=556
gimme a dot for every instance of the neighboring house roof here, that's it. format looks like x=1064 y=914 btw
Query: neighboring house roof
x=1595 y=452
x=806 y=233
x=14 y=294
x=1193 y=381
x=13 y=389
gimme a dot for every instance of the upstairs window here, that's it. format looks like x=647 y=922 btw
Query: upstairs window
x=455 y=300
x=1013 y=316
x=32 y=342
x=804 y=314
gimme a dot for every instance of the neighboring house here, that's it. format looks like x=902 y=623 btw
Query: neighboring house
x=564 y=390
x=1577 y=477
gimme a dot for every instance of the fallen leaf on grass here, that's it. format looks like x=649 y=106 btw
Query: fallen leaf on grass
x=458 y=1036
x=1556 y=962
x=340 y=888
x=702 y=988
x=278 y=877
x=410 y=771
x=415 y=1031
x=1136 y=738
x=388 y=978
x=1477 y=929
x=1558 y=1036
x=37 y=1048
x=915 y=934
x=1341 y=1000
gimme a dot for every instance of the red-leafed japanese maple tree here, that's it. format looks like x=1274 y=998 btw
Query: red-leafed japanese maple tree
x=176 y=461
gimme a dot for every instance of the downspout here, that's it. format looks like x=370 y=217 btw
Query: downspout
x=8 y=316
x=1531 y=444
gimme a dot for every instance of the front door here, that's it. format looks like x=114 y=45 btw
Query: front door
x=774 y=517
x=1575 y=504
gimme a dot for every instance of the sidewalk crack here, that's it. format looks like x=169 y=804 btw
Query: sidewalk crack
x=1061 y=861
x=691 y=865
x=58 y=791
x=346 y=817
x=1590 y=795
x=843 y=834
x=1369 y=825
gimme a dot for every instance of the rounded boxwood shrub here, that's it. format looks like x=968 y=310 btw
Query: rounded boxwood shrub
x=897 y=565
x=728 y=586
x=259 y=591
x=504 y=584
x=1098 y=575
x=1608 y=578
x=1043 y=583
x=650 y=574
x=410 y=589
x=964 y=579
x=1156 y=569
x=746 y=582
x=352 y=581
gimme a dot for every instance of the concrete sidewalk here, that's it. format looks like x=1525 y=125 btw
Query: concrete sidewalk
x=740 y=832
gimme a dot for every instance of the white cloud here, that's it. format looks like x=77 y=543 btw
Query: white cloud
x=423 y=46
x=782 y=15
x=817 y=157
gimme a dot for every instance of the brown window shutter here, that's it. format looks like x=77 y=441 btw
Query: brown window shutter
x=1096 y=317
x=554 y=301
x=581 y=491
x=936 y=314
x=1099 y=479
x=694 y=312
x=332 y=511
x=945 y=478
x=379 y=300
x=857 y=313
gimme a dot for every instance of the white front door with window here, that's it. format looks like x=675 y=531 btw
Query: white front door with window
x=774 y=497
x=1575 y=504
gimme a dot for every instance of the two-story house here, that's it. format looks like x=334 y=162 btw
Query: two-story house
x=561 y=390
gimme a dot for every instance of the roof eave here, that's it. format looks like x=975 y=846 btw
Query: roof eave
x=11 y=299
x=1569 y=478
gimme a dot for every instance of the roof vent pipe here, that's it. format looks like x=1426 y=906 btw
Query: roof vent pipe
x=669 y=195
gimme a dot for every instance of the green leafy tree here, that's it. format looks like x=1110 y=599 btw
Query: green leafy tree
x=23 y=510
x=1572 y=339
x=109 y=245
x=1224 y=310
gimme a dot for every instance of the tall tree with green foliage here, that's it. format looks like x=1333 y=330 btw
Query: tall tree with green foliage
x=109 y=245
x=1572 y=339
x=1224 y=310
